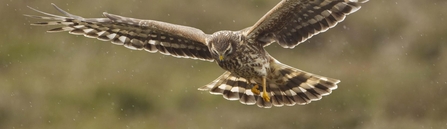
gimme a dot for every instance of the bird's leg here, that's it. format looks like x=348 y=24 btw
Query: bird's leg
x=255 y=90
x=265 y=96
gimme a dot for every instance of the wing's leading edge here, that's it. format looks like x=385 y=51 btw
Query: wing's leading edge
x=292 y=22
x=152 y=36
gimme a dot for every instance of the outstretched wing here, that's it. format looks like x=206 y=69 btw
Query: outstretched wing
x=137 y=34
x=292 y=22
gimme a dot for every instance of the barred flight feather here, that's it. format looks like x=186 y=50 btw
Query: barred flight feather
x=249 y=68
x=135 y=34
x=291 y=25
x=286 y=85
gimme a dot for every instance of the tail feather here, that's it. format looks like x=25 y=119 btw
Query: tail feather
x=248 y=98
x=237 y=91
x=232 y=88
x=216 y=87
x=231 y=91
x=302 y=86
x=261 y=103
x=285 y=85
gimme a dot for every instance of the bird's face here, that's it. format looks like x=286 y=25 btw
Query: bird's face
x=222 y=52
x=223 y=44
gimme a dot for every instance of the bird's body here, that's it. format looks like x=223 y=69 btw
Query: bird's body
x=253 y=63
x=251 y=75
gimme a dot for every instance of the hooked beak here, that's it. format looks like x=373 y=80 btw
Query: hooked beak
x=221 y=58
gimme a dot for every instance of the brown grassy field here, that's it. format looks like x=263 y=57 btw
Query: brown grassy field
x=391 y=58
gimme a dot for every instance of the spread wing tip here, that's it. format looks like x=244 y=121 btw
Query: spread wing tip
x=127 y=32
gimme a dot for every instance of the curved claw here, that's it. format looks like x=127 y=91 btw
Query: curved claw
x=255 y=89
x=265 y=96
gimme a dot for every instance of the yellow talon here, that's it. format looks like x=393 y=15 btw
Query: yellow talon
x=265 y=96
x=255 y=89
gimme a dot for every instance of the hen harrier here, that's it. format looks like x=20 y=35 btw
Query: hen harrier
x=252 y=76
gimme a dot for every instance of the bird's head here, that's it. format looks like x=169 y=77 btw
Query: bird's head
x=223 y=44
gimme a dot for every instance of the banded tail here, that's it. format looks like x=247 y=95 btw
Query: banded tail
x=285 y=86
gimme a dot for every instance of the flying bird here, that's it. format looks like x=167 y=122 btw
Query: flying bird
x=251 y=75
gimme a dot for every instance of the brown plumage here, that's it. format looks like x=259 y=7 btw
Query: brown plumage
x=252 y=76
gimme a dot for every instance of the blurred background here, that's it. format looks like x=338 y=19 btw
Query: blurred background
x=391 y=56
